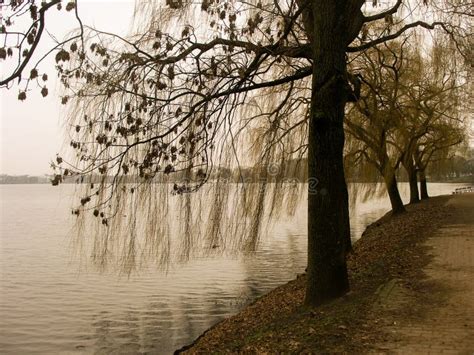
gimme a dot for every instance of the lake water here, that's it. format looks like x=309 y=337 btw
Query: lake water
x=50 y=305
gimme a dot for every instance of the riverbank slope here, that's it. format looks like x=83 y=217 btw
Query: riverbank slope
x=393 y=288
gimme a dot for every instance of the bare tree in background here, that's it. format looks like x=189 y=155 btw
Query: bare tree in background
x=195 y=87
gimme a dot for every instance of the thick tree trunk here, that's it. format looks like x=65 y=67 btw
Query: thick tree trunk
x=413 y=181
x=423 y=186
x=410 y=168
x=393 y=192
x=328 y=212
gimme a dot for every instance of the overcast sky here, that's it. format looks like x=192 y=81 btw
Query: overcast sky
x=32 y=131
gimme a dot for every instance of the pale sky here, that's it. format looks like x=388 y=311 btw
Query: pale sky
x=31 y=132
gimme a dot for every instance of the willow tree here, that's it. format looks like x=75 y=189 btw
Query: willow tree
x=173 y=97
x=408 y=100
x=374 y=121
x=440 y=103
x=436 y=146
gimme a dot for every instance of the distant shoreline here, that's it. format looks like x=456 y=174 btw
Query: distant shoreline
x=38 y=180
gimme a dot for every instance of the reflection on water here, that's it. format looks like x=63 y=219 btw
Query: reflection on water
x=48 y=306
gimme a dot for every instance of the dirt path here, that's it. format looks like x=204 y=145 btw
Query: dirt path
x=446 y=325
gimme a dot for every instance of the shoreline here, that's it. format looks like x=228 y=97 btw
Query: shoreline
x=389 y=249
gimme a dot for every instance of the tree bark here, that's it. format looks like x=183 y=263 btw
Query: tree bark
x=328 y=207
x=393 y=192
x=409 y=165
x=423 y=185
x=413 y=181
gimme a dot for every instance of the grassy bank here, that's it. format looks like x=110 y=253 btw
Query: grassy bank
x=390 y=251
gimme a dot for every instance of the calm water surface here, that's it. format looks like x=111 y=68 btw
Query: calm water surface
x=51 y=305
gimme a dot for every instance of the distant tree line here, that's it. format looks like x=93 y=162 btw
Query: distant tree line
x=23 y=179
